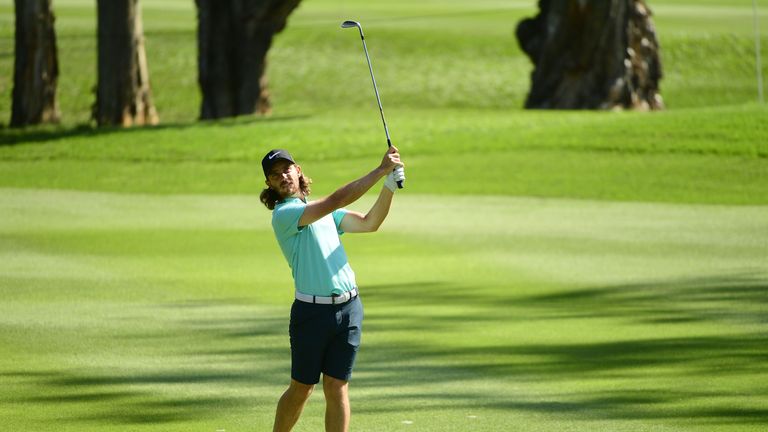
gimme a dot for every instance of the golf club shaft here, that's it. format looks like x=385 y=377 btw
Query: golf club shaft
x=378 y=98
x=376 y=90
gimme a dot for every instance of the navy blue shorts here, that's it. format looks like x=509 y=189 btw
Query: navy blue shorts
x=324 y=339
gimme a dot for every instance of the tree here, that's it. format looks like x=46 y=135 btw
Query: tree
x=36 y=65
x=592 y=55
x=233 y=40
x=123 y=94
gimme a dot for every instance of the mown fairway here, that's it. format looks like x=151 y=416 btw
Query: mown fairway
x=542 y=271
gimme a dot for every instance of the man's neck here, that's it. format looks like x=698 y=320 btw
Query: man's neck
x=298 y=195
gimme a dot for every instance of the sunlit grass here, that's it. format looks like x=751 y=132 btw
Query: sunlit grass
x=542 y=271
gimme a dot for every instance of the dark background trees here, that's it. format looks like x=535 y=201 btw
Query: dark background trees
x=233 y=40
x=592 y=55
x=36 y=65
x=123 y=93
x=234 y=37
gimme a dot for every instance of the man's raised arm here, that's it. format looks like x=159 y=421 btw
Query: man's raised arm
x=352 y=191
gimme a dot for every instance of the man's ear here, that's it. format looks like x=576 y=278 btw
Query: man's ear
x=298 y=168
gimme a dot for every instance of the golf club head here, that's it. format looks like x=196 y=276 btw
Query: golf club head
x=350 y=24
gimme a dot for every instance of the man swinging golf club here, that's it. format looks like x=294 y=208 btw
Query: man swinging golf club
x=326 y=317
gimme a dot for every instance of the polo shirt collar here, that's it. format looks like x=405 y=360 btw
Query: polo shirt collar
x=291 y=199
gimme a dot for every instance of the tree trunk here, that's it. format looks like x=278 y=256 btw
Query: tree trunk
x=592 y=55
x=233 y=40
x=123 y=94
x=36 y=67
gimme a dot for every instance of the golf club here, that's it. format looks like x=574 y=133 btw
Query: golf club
x=350 y=24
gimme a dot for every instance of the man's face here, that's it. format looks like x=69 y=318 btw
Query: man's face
x=284 y=178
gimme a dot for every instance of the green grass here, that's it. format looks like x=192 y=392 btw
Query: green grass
x=707 y=55
x=542 y=271
x=169 y=313
x=698 y=156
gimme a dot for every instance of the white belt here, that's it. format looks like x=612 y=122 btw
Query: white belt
x=339 y=299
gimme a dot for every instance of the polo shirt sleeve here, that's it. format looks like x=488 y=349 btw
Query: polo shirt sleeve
x=285 y=219
x=338 y=215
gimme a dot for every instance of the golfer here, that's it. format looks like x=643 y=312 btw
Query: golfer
x=327 y=315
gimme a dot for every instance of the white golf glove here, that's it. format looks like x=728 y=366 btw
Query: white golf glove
x=393 y=177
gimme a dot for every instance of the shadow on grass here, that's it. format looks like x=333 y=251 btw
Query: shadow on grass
x=199 y=364
x=659 y=404
x=739 y=298
x=678 y=369
x=552 y=362
x=80 y=397
x=212 y=359
x=43 y=134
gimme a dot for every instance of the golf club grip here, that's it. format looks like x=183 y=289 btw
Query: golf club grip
x=400 y=182
x=389 y=144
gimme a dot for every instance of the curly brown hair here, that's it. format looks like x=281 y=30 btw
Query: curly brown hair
x=269 y=197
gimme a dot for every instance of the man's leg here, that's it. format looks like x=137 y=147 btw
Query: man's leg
x=290 y=406
x=337 y=411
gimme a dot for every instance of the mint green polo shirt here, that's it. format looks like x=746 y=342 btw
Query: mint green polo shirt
x=314 y=252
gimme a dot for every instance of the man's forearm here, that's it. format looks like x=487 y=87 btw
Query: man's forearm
x=376 y=215
x=352 y=191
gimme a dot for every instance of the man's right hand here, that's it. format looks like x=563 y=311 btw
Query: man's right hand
x=391 y=160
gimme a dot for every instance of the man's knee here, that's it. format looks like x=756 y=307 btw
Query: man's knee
x=334 y=387
x=299 y=390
